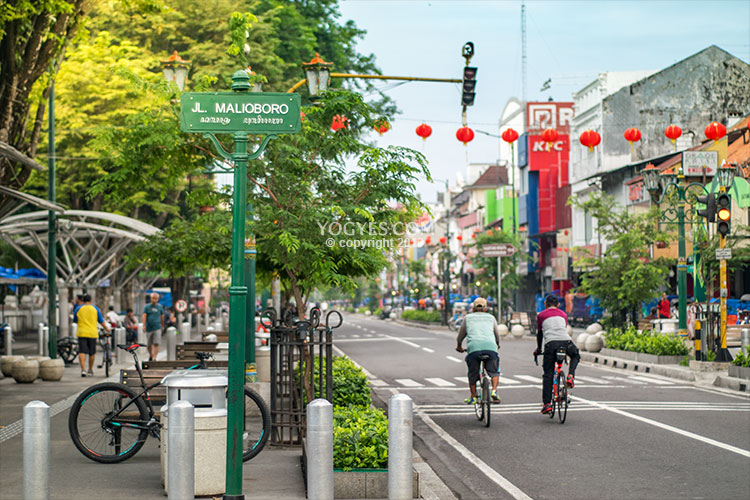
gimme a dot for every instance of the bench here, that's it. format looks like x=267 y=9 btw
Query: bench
x=158 y=394
x=187 y=350
x=645 y=324
x=181 y=364
x=523 y=319
x=221 y=336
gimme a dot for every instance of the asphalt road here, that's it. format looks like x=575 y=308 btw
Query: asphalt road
x=627 y=435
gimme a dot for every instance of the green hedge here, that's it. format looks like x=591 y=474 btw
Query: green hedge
x=350 y=384
x=432 y=316
x=742 y=358
x=362 y=310
x=378 y=311
x=360 y=438
x=350 y=309
x=632 y=340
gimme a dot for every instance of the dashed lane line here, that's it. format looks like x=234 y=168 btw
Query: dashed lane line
x=456 y=360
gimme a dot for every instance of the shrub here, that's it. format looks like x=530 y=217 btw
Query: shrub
x=431 y=316
x=742 y=359
x=632 y=340
x=362 y=310
x=360 y=438
x=378 y=311
x=350 y=309
x=350 y=384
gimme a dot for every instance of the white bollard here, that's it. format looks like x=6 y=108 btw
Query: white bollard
x=185 y=335
x=218 y=326
x=181 y=451
x=320 y=450
x=744 y=339
x=40 y=338
x=142 y=351
x=171 y=340
x=119 y=339
x=8 y=340
x=400 y=426
x=36 y=451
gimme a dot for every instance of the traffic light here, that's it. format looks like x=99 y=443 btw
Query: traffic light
x=723 y=213
x=710 y=211
x=469 y=84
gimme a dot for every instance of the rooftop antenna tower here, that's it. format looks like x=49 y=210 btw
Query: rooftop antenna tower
x=523 y=52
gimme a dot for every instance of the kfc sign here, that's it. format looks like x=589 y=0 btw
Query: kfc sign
x=544 y=115
x=545 y=156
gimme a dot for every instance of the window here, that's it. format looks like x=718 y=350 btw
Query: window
x=588 y=228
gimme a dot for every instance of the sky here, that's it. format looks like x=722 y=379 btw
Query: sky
x=569 y=42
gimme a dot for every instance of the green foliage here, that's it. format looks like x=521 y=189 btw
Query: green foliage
x=432 y=316
x=350 y=309
x=486 y=267
x=378 y=311
x=350 y=384
x=632 y=340
x=711 y=356
x=742 y=358
x=686 y=361
x=362 y=309
x=624 y=275
x=360 y=438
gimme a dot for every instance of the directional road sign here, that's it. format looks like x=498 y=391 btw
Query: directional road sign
x=498 y=250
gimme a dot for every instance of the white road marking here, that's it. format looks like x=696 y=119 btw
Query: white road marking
x=488 y=471
x=651 y=380
x=440 y=382
x=355 y=336
x=378 y=383
x=427 y=349
x=402 y=340
x=529 y=378
x=407 y=382
x=623 y=379
x=676 y=430
x=591 y=379
x=508 y=381
x=454 y=359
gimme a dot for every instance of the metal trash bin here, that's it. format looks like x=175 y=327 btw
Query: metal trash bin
x=206 y=391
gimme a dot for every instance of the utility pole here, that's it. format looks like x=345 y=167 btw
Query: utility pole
x=446 y=275
x=51 y=235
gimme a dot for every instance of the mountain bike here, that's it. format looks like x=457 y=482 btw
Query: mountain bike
x=105 y=341
x=482 y=402
x=110 y=422
x=560 y=398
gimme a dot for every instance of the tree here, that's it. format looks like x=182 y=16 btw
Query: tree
x=33 y=37
x=624 y=275
x=485 y=268
x=709 y=265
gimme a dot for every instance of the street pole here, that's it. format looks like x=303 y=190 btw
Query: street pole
x=446 y=276
x=250 y=254
x=723 y=354
x=51 y=236
x=681 y=268
x=499 y=291
x=513 y=201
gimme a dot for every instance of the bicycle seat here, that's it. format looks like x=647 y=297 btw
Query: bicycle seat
x=131 y=348
x=561 y=356
x=203 y=355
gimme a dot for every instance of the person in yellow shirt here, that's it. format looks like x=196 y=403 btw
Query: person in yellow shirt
x=87 y=316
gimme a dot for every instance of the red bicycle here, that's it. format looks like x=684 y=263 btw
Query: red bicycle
x=560 y=398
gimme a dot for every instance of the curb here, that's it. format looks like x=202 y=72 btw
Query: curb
x=424 y=326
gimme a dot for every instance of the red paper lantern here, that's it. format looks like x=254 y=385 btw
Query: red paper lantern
x=428 y=240
x=549 y=136
x=465 y=135
x=424 y=131
x=590 y=139
x=632 y=135
x=509 y=135
x=443 y=239
x=489 y=232
x=339 y=122
x=715 y=131
x=673 y=132
x=382 y=127
x=459 y=237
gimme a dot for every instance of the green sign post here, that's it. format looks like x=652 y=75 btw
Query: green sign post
x=241 y=113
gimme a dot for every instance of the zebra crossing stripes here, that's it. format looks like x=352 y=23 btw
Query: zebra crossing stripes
x=530 y=378
x=378 y=383
x=593 y=380
x=622 y=379
x=440 y=382
x=407 y=382
x=651 y=380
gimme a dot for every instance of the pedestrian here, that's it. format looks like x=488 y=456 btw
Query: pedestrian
x=113 y=317
x=480 y=329
x=153 y=322
x=664 y=306
x=171 y=319
x=88 y=316
x=552 y=328
x=131 y=327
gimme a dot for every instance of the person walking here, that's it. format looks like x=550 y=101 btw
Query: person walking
x=131 y=327
x=88 y=316
x=153 y=322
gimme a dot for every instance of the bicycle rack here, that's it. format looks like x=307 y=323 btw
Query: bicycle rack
x=298 y=351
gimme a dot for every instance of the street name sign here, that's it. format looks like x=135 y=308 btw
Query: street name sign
x=700 y=162
x=498 y=250
x=723 y=253
x=256 y=113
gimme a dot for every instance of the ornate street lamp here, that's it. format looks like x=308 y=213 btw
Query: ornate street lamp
x=175 y=69
x=726 y=175
x=318 y=74
x=651 y=178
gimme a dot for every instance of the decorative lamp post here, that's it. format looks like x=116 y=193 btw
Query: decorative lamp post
x=726 y=175
x=175 y=69
x=674 y=194
x=318 y=75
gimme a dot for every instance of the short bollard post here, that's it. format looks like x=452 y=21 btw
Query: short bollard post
x=745 y=339
x=320 y=450
x=181 y=451
x=171 y=343
x=400 y=447
x=119 y=340
x=36 y=451
x=40 y=339
x=8 y=340
x=142 y=339
x=185 y=335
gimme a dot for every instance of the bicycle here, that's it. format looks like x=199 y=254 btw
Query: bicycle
x=67 y=349
x=110 y=422
x=560 y=398
x=482 y=402
x=105 y=341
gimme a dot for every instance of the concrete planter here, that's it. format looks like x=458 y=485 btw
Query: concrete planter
x=6 y=364
x=39 y=359
x=366 y=483
x=25 y=371
x=708 y=366
x=643 y=357
x=739 y=371
x=51 y=370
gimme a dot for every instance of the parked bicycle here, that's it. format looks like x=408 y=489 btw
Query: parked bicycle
x=105 y=341
x=110 y=422
x=560 y=398
x=67 y=349
x=482 y=403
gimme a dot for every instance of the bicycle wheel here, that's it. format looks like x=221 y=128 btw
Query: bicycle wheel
x=486 y=400
x=562 y=399
x=478 y=407
x=257 y=425
x=67 y=351
x=555 y=392
x=107 y=353
x=100 y=430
